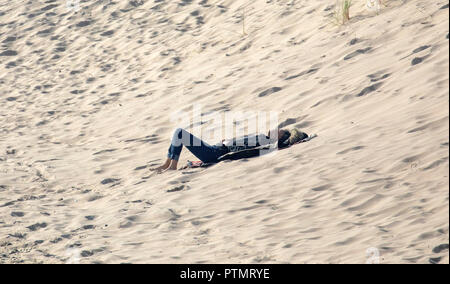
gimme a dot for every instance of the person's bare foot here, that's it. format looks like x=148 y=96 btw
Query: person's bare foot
x=162 y=168
x=173 y=166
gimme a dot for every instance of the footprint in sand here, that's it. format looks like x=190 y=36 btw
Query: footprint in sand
x=270 y=91
x=350 y=150
x=109 y=181
x=128 y=222
x=322 y=187
x=418 y=60
x=370 y=89
x=141 y=168
x=107 y=33
x=84 y=24
x=358 y=52
x=312 y=70
x=9 y=53
x=435 y=260
x=17 y=214
x=179 y=188
x=37 y=226
x=379 y=76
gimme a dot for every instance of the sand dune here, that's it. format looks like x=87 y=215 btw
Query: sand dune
x=86 y=98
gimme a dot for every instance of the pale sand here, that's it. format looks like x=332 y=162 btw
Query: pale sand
x=82 y=94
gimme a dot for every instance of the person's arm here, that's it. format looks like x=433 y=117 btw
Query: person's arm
x=241 y=141
x=222 y=143
x=252 y=140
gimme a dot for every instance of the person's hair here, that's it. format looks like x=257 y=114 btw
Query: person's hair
x=291 y=137
x=283 y=141
x=296 y=136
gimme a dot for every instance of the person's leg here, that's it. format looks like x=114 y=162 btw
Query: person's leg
x=206 y=153
x=180 y=137
x=200 y=149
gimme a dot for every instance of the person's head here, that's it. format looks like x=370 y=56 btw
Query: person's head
x=287 y=138
x=296 y=136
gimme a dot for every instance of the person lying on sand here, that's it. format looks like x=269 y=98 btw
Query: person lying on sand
x=211 y=154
